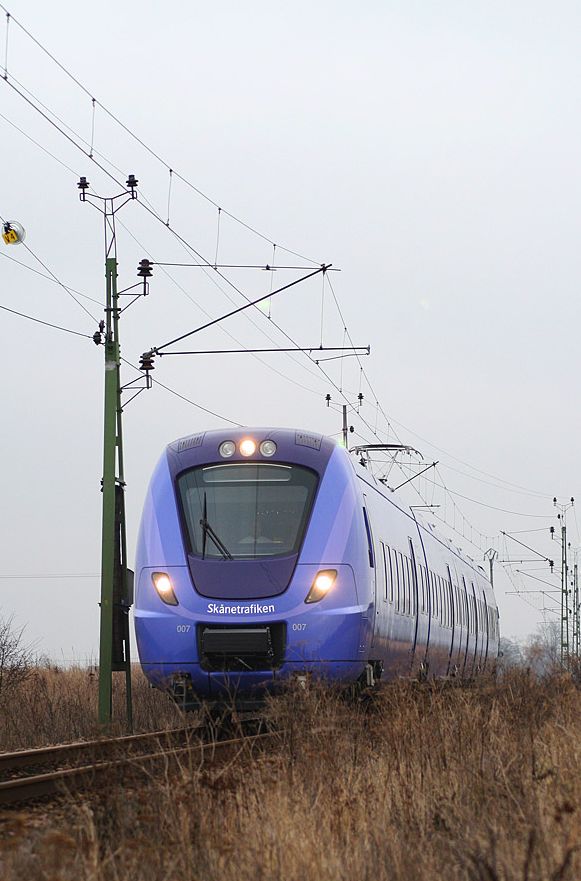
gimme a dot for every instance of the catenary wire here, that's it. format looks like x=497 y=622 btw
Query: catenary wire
x=48 y=277
x=55 y=278
x=46 y=323
x=184 y=398
x=145 y=146
x=31 y=101
x=374 y=431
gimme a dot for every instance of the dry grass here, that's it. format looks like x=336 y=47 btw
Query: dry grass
x=423 y=783
x=54 y=705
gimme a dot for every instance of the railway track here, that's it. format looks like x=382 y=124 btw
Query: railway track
x=53 y=771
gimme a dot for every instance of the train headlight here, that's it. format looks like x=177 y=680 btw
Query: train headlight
x=227 y=449
x=164 y=588
x=324 y=581
x=247 y=447
x=268 y=448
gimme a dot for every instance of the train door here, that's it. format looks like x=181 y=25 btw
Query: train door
x=373 y=567
x=415 y=599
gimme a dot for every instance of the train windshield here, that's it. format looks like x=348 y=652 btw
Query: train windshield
x=246 y=510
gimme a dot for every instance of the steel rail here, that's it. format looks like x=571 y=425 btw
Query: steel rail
x=65 y=752
x=56 y=783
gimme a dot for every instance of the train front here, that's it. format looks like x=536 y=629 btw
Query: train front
x=252 y=566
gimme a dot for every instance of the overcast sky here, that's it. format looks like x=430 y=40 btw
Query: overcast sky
x=430 y=151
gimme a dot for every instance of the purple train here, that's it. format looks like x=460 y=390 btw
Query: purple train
x=267 y=554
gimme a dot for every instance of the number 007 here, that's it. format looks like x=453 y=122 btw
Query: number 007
x=183 y=628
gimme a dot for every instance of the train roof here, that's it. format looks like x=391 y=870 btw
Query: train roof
x=304 y=441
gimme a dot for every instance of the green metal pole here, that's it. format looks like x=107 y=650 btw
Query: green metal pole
x=564 y=599
x=576 y=622
x=121 y=524
x=109 y=481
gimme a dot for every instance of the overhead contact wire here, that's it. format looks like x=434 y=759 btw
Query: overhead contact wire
x=46 y=323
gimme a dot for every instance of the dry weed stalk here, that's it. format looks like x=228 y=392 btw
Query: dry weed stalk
x=421 y=782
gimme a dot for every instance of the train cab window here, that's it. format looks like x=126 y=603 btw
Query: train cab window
x=253 y=509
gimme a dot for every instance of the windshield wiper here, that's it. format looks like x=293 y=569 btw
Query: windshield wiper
x=208 y=531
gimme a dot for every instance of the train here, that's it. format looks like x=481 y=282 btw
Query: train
x=270 y=555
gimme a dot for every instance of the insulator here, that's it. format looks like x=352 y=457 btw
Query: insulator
x=97 y=338
x=144 y=269
x=83 y=184
x=132 y=181
x=146 y=362
x=328 y=399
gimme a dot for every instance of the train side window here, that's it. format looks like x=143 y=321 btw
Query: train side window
x=386 y=571
x=451 y=601
x=412 y=587
x=397 y=582
x=434 y=595
x=406 y=580
x=369 y=539
x=391 y=573
x=404 y=583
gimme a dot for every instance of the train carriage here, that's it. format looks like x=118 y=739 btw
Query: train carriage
x=269 y=554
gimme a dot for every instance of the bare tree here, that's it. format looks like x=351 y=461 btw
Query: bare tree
x=542 y=649
x=15 y=659
x=510 y=655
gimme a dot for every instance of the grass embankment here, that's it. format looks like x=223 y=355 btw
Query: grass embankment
x=52 y=705
x=480 y=783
